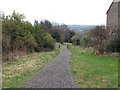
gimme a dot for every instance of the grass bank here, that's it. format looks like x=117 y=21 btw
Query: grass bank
x=17 y=72
x=91 y=71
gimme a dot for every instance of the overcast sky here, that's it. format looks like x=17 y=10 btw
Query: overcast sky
x=85 y=12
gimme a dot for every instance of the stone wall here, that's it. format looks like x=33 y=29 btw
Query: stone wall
x=119 y=16
x=112 y=15
x=113 y=26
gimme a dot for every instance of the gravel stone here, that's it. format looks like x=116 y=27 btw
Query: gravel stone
x=56 y=74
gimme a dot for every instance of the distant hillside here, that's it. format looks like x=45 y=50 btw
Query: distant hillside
x=81 y=27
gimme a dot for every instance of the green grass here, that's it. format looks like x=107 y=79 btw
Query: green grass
x=17 y=72
x=91 y=71
x=68 y=44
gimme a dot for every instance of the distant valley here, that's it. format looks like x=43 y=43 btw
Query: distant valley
x=81 y=27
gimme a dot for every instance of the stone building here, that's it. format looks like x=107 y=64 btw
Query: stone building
x=113 y=25
x=113 y=14
x=113 y=19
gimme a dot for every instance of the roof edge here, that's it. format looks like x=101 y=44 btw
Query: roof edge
x=114 y=1
x=109 y=8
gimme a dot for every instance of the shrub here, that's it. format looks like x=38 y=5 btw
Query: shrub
x=86 y=40
x=113 y=46
x=20 y=35
x=75 y=40
x=49 y=42
x=5 y=42
x=43 y=39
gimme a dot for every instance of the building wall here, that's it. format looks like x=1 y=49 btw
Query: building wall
x=118 y=32
x=113 y=21
x=112 y=15
x=119 y=15
x=113 y=24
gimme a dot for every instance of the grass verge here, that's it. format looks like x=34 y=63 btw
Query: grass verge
x=17 y=72
x=91 y=71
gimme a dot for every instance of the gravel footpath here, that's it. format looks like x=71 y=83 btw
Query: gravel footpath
x=54 y=75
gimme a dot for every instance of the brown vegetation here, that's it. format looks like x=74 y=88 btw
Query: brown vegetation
x=103 y=41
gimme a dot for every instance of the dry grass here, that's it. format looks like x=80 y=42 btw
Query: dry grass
x=17 y=72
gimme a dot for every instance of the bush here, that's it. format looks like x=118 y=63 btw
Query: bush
x=26 y=41
x=20 y=35
x=49 y=42
x=75 y=40
x=44 y=40
x=5 y=42
x=86 y=41
x=113 y=46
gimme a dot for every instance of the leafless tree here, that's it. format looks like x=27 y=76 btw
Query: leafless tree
x=99 y=36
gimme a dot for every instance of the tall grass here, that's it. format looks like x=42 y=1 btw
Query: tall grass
x=17 y=72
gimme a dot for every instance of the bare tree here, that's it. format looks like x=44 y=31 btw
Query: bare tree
x=99 y=35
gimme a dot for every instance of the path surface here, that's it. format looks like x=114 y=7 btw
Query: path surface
x=54 y=75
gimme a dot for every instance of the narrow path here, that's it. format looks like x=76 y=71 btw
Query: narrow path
x=54 y=75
